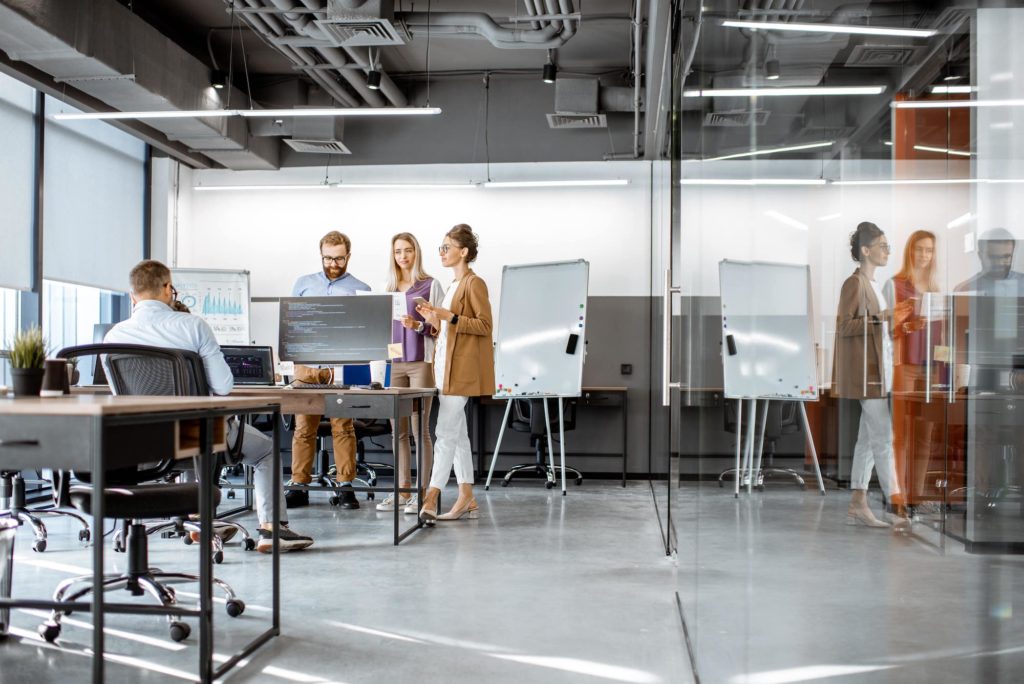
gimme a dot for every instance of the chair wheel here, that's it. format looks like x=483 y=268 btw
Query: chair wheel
x=39 y=545
x=118 y=547
x=250 y=544
x=180 y=631
x=231 y=494
x=218 y=557
x=187 y=539
x=579 y=481
x=84 y=536
x=549 y=484
x=334 y=501
x=49 y=631
x=235 y=607
x=504 y=483
x=369 y=496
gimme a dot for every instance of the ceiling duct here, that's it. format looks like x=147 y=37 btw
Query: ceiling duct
x=562 y=121
x=368 y=24
x=740 y=117
x=318 y=135
x=884 y=56
x=583 y=102
x=114 y=56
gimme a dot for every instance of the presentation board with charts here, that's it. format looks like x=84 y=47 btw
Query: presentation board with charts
x=542 y=329
x=767 y=331
x=219 y=297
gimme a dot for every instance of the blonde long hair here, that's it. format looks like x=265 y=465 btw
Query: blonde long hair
x=394 y=273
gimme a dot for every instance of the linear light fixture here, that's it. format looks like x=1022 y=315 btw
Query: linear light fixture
x=943 y=150
x=796 y=91
x=829 y=217
x=405 y=186
x=830 y=28
x=251 y=113
x=308 y=186
x=785 y=220
x=770 y=150
x=952 y=89
x=955 y=104
x=753 y=181
x=960 y=220
x=554 y=183
x=912 y=181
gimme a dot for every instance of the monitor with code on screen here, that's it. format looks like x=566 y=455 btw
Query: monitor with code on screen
x=335 y=330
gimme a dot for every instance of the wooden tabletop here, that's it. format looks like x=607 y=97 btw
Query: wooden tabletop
x=285 y=390
x=106 y=405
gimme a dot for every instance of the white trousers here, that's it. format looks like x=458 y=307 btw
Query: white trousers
x=257 y=450
x=874 y=448
x=451 y=442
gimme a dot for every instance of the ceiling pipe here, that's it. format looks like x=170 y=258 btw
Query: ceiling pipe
x=552 y=7
x=570 y=26
x=532 y=11
x=473 y=24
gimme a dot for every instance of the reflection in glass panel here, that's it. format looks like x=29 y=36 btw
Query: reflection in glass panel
x=902 y=199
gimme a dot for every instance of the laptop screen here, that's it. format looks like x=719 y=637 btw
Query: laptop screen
x=250 y=365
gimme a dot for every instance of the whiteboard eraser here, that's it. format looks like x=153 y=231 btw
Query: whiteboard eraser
x=570 y=348
x=730 y=344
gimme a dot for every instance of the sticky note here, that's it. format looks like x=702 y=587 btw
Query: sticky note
x=395 y=350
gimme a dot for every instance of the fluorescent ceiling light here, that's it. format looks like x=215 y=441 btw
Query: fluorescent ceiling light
x=960 y=220
x=943 y=150
x=805 y=91
x=786 y=220
x=553 y=183
x=770 y=150
x=887 y=142
x=309 y=186
x=404 y=186
x=829 y=217
x=753 y=181
x=952 y=90
x=251 y=113
x=911 y=181
x=954 y=104
x=830 y=28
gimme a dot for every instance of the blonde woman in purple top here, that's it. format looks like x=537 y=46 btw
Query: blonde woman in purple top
x=414 y=368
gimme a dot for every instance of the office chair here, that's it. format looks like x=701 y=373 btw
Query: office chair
x=527 y=415
x=133 y=495
x=12 y=493
x=782 y=419
x=126 y=384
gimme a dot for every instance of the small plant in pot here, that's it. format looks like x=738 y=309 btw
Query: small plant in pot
x=27 y=354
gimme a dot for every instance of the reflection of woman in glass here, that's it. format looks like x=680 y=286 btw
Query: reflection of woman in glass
x=863 y=370
x=912 y=442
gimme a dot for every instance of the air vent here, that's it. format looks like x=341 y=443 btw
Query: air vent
x=367 y=32
x=577 y=121
x=742 y=117
x=884 y=55
x=318 y=146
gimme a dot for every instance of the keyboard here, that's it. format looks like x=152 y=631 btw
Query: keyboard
x=318 y=385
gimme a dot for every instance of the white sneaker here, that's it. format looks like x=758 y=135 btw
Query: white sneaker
x=413 y=507
x=388 y=504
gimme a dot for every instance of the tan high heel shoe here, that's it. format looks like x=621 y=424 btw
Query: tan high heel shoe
x=858 y=512
x=467 y=509
x=429 y=509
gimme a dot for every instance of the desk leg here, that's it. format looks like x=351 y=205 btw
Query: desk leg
x=275 y=561
x=98 y=513
x=497 y=447
x=206 y=479
x=625 y=429
x=561 y=438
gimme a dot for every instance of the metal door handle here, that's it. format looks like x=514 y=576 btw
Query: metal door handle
x=19 y=442
x=666 y=340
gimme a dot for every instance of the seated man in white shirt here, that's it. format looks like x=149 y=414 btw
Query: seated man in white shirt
x=156 y=324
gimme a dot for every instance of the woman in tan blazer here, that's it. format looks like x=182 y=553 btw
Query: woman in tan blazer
x=862 y=370
x=463 y=368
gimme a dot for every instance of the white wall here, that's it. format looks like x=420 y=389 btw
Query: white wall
x=275 y=233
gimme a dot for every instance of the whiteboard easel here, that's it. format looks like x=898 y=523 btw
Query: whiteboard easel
x=767 y=349
x=542 y=316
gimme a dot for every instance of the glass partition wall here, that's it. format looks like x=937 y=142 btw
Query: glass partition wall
x=886 y=164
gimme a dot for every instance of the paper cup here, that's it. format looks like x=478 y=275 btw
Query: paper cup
x=378 y=371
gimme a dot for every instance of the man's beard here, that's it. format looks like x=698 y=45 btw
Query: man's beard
x=333 y=272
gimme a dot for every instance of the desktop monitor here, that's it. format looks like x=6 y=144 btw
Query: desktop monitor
x=250 y=365
x=335 y=330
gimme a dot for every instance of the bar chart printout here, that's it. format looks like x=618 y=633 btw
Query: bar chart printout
x=219 y=297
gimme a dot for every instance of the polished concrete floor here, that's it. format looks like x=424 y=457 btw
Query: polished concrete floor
x=776 y=588
x=540 y=589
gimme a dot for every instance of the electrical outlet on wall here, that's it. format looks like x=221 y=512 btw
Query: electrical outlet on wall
x=626 y=369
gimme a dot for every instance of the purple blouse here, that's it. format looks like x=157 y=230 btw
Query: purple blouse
x=412 y=341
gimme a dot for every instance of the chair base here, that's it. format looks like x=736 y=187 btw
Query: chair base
x=14 y=491
x=549 y=474
x=766 y=471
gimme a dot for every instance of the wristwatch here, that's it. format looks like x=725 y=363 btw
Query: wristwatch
x=455 y=320
x=420 y=326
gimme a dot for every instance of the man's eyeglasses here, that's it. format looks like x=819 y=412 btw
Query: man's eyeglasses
x=337 y=261
x=174 y=294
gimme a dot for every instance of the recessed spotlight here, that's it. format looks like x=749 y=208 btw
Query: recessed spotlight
x=772 y=70
x=373 y=79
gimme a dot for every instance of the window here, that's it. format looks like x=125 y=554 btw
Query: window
x=9 y=317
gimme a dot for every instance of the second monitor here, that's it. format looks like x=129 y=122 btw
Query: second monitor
x=335 y=330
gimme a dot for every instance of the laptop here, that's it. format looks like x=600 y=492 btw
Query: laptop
x=250 y=365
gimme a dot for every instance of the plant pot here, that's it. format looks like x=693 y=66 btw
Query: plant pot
x=27 y=381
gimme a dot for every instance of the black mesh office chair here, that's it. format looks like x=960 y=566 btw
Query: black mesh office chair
x=12 y=493
x=527 y=415
x=131 y=493
x=782 y=419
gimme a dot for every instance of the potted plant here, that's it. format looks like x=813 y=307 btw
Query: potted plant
x=27 y=354
x=73 y=374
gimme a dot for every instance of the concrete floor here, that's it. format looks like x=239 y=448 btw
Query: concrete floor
x=540 y=589
x=777 y=588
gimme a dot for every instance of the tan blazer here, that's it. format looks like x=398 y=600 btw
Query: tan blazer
x=469 y=351
x=857 y=369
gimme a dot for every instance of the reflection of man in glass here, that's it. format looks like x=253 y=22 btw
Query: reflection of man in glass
x=990 y=338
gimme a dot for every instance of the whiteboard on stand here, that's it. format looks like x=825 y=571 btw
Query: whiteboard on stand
x=541 y=337
x=767 y=331
x=219 y=297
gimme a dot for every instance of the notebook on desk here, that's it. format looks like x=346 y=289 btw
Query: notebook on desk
x=250 y=366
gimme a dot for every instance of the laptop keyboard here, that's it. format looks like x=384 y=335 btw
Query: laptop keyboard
x=318 y=385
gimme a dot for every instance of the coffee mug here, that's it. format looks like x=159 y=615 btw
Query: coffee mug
x=55 y=378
